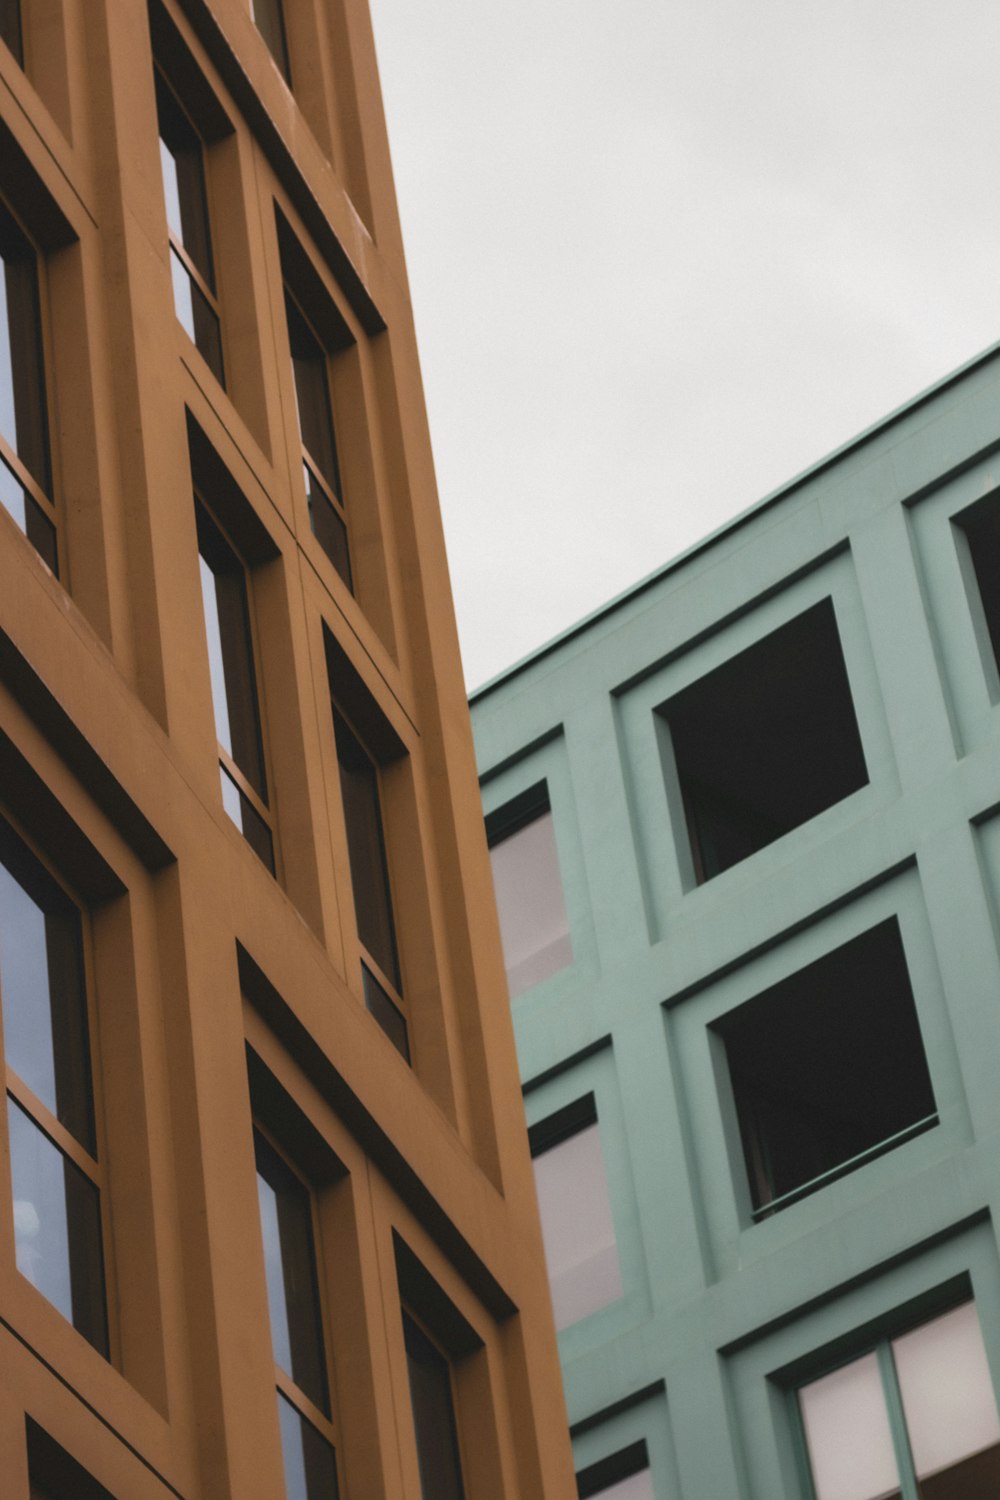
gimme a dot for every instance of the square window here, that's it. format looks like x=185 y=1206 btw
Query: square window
x=765 y=742
x=915 y=1410
x=827 y=1069
x=534 y=927
x=578 y=1230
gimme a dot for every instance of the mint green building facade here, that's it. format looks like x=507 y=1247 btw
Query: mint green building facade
x=770 y=989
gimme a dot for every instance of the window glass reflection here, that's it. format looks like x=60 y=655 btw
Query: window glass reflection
x=534 y=926
x=23 y=414
x=310 y=1462
x=433 y=1416
x=578 y=1232
x=41 y=989
x=57 y=1227
x=951 y=1413
x=290 y=1262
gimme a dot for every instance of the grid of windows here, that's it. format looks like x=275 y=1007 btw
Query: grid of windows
x=52 y=1133
x=914 y=1418
x=25 y=459
x=192 y=268
x=226 y=604
x=304 y=1413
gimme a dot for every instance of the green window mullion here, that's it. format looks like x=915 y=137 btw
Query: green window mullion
x=897 y=1422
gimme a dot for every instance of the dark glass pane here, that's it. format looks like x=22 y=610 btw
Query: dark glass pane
x=196 y=316
x=386 y=1012
x=230 y=652
x=433 y=1416
x=310 y=1462
x=42 y=989
x=270 y=22
x=23 y=416
x=328 y=527
x=57 y=1228
x=10 y=27
x=366 y=848
x=183 y=165
x=290 y=1261
x=247 y=819
x=312 y=394
x=29 y=515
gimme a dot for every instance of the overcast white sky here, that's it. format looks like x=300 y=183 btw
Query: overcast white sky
x=664 y=254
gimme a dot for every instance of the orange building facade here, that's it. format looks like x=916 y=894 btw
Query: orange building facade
x=267 y=1220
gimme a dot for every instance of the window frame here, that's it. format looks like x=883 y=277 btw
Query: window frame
x=204 y=287
x=880 y=1344
x=92 y=1167
x=228 y=766
x=34 y=490
x=287 y=1388
x=547 y=1134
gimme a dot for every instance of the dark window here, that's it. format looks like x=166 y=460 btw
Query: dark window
x=50 y=1110
x=915 y=1415
x=624 y=1475
x=53 y=1474
x=362 y=802
x=981 y=525
x=827 y=1069
x=766 y=741
x=433 y=1415
x=269 y=18
x=226 y=602
x=10 y=28
x=182 y=159
x=286 y=1219
x=25 y=464
x=320 y=464
x=534 y=927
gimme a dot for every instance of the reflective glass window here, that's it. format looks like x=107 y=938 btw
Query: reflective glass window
x=534 y=927
x=50 y=1113
x=581 y=1251
x=915 y=1416
x=434 y=1423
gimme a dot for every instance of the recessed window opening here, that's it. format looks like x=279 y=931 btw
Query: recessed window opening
x=534 y=926
x=981 y=526
x=434 y=1424
x=362 y=802
x=25 y=461
x=578 y=1232
x=53 y=1474
x=765 y=742
x=52 y=1134
x=827 y=1069
x=289 y=1234
x=320 y=464
x=226 y=603
x=269 y=19
x=624 y=1475
x=10 y=28
x=182 y=161
x=914 y=1416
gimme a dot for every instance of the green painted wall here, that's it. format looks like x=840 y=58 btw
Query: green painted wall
x=721 y=1316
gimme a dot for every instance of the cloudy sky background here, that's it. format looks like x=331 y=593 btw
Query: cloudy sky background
x=665 y=254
